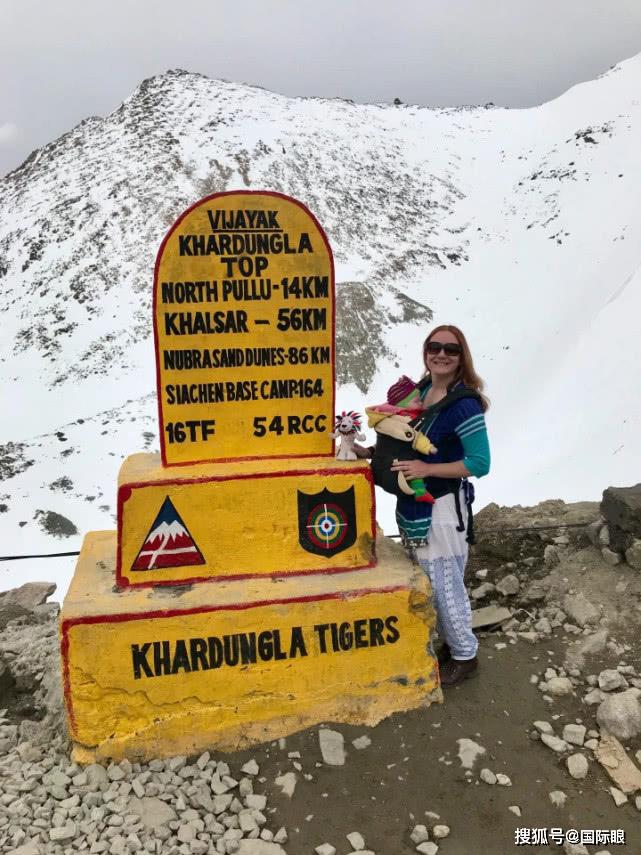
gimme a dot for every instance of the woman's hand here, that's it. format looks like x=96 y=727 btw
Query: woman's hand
x=412 y=468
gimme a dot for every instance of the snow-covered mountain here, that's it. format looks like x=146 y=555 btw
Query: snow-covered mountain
x=521 y=226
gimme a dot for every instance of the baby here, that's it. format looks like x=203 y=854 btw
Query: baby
x=404 y=402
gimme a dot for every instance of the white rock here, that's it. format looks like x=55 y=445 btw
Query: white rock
x=558 y=798
x=620 y=715
x=419 y=834
x=287 y=783
x=361 y=742
x=516 y=810
x=633 y=555
x=543 y=727
x=553 y=742
x=593 y=697
x=509 y=585
x=559 y=686
x=610 y=680
x=575 y=849
x=259 y=847
x=637 y=802
x=577 y=766
x=440 y=831
x=332 y=746
x=427 y=848
x=610 y=556
x=574 y=733
x=468 y=751
x=250 y=768
x=281 y=835
x=543 y=626
x=580 y=609
x=356 y=840
x=503 y=780
x=482 y=591
x=619 y=797
x=325 y=849
x=67 y=832
x=488 y=776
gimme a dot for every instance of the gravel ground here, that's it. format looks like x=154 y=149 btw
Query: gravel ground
x=457 y=778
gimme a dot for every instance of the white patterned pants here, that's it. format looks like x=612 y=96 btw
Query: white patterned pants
x=444 y=560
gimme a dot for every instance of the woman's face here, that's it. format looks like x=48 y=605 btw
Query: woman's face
x=443 y=366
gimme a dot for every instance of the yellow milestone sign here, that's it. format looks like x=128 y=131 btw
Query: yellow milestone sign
x=244 y=331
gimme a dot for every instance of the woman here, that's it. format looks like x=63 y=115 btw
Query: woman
x=453 y=421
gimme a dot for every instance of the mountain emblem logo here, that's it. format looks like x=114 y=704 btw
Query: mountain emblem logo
x=168 y=544
x=326 y=521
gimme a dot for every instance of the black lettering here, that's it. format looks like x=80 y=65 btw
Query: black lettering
x=345 y=636
x=215 y=649
x=393 y=634
x=297 y=643
x=170 y=325
x=248 y=648
x=335 y=642
x=184 y=244
x=376 y=627
x=320 y=629
x=162 y=658
x=360 y=636
x=266 y=646
x=198 y=654
x=181 y=659
x=231 y=650
x=305 y=244
x=139 y=660
x=278 y=652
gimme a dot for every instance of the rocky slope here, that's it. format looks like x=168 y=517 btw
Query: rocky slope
x=548 y=735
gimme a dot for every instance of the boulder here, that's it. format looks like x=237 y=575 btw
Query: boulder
x=29 y=595
x=621 y=507
x=620 y=715
x=580 y=609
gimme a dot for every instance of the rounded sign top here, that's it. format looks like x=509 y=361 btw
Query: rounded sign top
x=244 y=331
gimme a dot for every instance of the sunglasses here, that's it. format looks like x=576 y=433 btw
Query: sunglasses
x=434 y=347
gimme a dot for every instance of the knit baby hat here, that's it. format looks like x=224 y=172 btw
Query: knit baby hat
x=402 y=392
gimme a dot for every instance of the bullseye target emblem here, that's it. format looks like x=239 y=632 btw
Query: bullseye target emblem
x=326 y=521
x=327 y=526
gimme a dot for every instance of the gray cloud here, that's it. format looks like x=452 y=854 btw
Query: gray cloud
x=62 y=62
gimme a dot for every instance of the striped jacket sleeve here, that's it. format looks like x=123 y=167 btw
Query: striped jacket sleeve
x=472 y=431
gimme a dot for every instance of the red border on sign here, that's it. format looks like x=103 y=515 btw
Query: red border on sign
x=125 y=491
x=162 y=613
x=161 y=424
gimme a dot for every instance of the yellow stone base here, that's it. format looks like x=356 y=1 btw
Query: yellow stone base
x=258 y=511
x=152 y=673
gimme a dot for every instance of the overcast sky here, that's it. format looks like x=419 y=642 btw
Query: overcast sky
x=63 y=61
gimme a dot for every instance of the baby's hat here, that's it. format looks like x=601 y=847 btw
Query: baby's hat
x=402 y=391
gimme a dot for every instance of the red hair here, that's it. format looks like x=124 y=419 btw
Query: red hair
x=465 y=373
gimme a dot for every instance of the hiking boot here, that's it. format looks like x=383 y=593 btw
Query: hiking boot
x=457 y=670
x=443 y=654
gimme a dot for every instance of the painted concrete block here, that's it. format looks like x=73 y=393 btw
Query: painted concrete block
x=244 y=320
x=178 y=525
x=160 y=672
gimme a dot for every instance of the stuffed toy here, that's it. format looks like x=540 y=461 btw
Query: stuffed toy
x=346 y=429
